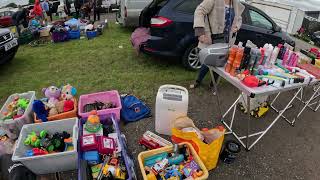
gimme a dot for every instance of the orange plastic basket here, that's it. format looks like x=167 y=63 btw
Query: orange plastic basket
x=65 y=115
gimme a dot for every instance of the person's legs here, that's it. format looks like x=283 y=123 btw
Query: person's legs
x=95 y=13
x=18 y=29
x=98 y=14
x=202 y=73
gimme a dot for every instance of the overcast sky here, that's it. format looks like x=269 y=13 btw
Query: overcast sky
x=304 y=4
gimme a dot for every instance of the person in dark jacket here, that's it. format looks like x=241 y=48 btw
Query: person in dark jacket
x=96 y=9
x=67 y=7
x=77 y=6
x=20 y=18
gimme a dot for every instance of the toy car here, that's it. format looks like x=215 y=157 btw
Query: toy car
x=149 y=143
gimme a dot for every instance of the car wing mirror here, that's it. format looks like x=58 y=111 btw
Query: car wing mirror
x=277 y=29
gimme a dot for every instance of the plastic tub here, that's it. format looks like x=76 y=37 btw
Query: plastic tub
x=74 y=34
x=65 y=115
x=317 y=63
x=106 y=96
x=91 y=34
x=13 y=127
x=168 y=149
x=124 y=153
x=50 y=163
x=59 y=36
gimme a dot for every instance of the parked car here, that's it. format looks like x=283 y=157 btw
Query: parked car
x=172 y=34
x=8 y=45
x=129 y=12
x=6 y=18
x=315 y=37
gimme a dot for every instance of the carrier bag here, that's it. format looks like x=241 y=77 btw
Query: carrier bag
x=133 y=109
x=214 y=55
x=208 y=153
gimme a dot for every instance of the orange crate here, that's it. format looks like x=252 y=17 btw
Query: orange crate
x=66 y=115
x=169 y=149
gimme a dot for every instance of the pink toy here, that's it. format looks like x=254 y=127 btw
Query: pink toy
x=106 y=145
x=52 y=93
x=67 y=92
x=68 y=105
x=89 y=142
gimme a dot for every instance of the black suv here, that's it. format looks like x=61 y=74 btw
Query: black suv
x=172 y=34
x=8 y=45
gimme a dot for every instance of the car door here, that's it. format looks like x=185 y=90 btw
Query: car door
x=260 y=28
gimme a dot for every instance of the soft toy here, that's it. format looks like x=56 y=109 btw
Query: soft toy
x=59 y=106
x=68 y=105
x=67 y=92
x=53 y=111
x=53 y=94
x=40 y=110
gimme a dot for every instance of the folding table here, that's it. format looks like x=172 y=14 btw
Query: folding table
x=248 y=93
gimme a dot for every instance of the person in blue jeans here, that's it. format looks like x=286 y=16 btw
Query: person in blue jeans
x=210 y=18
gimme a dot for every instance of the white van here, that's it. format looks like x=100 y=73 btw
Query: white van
x=129 y=12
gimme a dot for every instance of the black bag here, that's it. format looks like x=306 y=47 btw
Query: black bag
x=14 y=170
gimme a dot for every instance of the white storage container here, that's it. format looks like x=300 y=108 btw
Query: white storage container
x=171 y=102
x=50 y=163
x=13 y=127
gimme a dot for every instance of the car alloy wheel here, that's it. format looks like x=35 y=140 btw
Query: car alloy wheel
x=193 y=58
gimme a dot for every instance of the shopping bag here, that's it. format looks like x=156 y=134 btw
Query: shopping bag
x=208 y=153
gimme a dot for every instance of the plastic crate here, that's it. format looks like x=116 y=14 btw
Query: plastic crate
x=91 y=34
x=127 y=157
x=65 y=115
x=50 y=163
x=59 y=36
x=13 y=127
x=74 y=34
x=169 y=149
x=106 y=96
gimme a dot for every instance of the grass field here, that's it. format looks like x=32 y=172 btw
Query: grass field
x=91 y=66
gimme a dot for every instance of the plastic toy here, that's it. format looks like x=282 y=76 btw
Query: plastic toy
x=153 y=141
x=68 y=105
x=32 y=139
x=95 y=170
x=93 y=123
x=160 y=166
x=112 y=168
x=16 y=108
x=89 y=142
x=177 y=159
x=150 y=161
x=68 y=144
x=105 y=145
x=190 y=168
x=173 y=172
x=149 y=144
x=114 y=136
x=67 y=92
x=92 y=157
x=35 y=152
x=53 y=94
x=40 y=110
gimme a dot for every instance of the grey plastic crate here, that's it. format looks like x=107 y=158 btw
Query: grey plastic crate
x=50 y=163
x=13 y=127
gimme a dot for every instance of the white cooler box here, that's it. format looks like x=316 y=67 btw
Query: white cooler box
x=214 y=55
x=171 y=102
x=13 y=127
x=50 y=163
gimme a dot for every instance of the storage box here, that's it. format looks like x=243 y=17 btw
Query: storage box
x=169 y=149
x=13 y=127
x=106 y=96
x=50 y=163
x=59 y=36
x=65 y=115
x=91 y=34
x=74 y=34
x=124 y=153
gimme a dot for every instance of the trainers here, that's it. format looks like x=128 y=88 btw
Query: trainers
x=195 y=85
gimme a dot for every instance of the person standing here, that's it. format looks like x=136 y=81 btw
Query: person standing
x=67 y=7
x=96 y=9
x=20 y=18
x=46 y=8
x=77 y=6
x=216 y=21
x=37 y=9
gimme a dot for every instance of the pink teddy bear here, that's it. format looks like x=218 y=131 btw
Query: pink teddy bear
x=53 y=94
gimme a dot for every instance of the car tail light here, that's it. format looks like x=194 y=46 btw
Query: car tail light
x=159 y=21
x=125 y=12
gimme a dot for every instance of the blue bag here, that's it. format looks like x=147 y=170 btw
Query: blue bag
x=133 y=109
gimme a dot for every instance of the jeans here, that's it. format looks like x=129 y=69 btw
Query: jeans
x=96 y=13
x=203 y=72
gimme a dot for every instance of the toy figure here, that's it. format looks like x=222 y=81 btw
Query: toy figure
x=39 y=108
x=53 y=94
x=32 y=139
x=68 y=92
x=23 y=103
x=93 y=124
x=35 y=152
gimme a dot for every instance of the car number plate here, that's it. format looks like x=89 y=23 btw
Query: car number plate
x=10 y=45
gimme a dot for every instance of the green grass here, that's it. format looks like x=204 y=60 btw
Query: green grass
x=91 y=66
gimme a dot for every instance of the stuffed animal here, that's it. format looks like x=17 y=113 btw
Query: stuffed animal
x=53 y=94
x=40 y=110
x=68 y=105
x=53 y=111
x=67 y=92
x=59 y=106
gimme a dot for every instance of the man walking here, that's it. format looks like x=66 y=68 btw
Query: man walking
x=96 y=9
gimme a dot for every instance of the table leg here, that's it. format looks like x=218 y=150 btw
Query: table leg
x=217 y=94
x=248 y=122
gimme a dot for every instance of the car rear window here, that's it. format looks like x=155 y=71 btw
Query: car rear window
x=188 y=6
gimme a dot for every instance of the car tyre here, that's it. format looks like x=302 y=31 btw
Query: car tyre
x=8 y=59
x=190 y=59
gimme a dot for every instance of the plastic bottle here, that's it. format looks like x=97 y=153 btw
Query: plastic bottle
x=274 y=56
x=285 y=57
x=268 y=55
x=253 y=58
x=246 y=58
x=237 y=61
x=232 y=56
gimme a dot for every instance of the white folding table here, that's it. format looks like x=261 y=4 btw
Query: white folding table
x=248 y=93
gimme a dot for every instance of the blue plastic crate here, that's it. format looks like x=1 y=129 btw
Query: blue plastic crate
x=91 y=34
x=74 y=34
